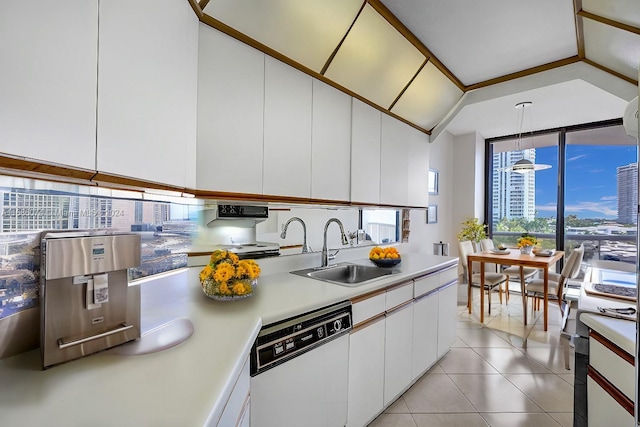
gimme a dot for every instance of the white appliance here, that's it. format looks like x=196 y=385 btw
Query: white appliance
x=299 y=370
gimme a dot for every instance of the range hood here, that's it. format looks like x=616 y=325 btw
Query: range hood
x=234 y=215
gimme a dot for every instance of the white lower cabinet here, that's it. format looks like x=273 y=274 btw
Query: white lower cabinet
x=366 y=372
x=425 y=333
x=447 y=304
x=604 y=410
x=397 y=352
x=237 y=409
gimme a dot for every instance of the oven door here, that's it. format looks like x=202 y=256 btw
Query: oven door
x=309 y=390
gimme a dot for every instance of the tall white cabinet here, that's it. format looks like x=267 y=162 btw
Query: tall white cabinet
x=230 y=114
x=49 y=77
x=147 y=90
x=330 y=143
x=365 y=153
x=394 y=164
x=287 y=131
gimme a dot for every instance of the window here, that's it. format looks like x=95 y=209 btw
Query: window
x=589 y=196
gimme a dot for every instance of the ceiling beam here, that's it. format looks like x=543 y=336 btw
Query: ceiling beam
x=524 y=73
x=610 y=22
x=577 y=6
x=610 y=71
x=395 y=22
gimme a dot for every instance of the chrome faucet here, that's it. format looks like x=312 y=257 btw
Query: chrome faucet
x=345 y=241
x=283 y=235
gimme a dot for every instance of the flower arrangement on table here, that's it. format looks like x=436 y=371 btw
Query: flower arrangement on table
x=526 y=242
x=226 y=277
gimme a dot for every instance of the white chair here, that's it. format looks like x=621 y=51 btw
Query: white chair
x=514 y=271
x=556 y=283
x=491 y=280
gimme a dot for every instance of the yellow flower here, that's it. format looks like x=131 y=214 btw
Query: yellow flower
x=224 y=272
x=224 y=289
x=233 y=257
x=240 y=288
x=206 y=273
x=527 y=240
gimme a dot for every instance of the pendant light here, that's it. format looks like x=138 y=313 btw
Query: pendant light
x=524 y=165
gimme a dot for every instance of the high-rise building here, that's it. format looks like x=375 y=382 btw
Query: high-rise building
x=513 y=194
x=627 y=177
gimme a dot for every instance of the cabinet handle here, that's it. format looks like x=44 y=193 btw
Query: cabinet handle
x=62 y=344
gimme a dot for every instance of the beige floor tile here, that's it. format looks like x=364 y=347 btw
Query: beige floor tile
x=465 y=361
x=551 y=358
x=494 y=393
x=511 y=361
x=459 y=343
x=483 y=337
x=548 y=391
x=398 y=407
x=569 y=377
x=520 y=420
x=393 y=420
x=436 y=393
x=565 y=419
x=436 y=369
x=449 y=420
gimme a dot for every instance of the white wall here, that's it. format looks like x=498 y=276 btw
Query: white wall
x=423 y=235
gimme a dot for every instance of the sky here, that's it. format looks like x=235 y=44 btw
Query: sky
x=590 y=187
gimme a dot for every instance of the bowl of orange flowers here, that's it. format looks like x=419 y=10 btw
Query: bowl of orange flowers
x=526 y=243
x=228 y=278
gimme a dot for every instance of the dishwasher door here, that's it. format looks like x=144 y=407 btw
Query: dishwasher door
x=309 y=390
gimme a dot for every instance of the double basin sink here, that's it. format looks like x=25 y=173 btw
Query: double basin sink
x=346 y=274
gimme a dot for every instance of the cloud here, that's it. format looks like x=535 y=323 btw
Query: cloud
x=592 y=207
x=596 y=170
x=579 y=156
x=606 y=198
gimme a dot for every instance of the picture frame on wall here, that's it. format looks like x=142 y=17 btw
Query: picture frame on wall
x=434 y=181
x=432 y=214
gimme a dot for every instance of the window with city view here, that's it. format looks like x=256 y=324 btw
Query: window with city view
x=588 y=196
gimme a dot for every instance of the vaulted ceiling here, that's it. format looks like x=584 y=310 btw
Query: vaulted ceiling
x=454 y=64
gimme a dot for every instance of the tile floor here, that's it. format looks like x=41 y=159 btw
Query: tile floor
x=502 y=373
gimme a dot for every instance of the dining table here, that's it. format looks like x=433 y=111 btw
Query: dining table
x=513 y=257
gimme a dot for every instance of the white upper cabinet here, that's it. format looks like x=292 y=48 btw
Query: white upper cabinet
x=330 y=143
x=48 y=84
x=418 y=168
x=287 y=131
x=230 y=114
x=365 y=153
x=394 y=169
x=147 y=90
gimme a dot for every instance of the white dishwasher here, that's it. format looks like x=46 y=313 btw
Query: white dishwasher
x=299 y=370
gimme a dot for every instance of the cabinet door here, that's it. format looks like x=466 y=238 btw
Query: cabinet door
x=230 y=114
x=287 y=131
x=447 y=316
x=365 y=153
x=330 y=143
x=147 y=90
x=397 y=352
x=425 y=333
x=366 y=373
x=418 y=168
x=394 y=159
x=237 y=405
x=48 y=84
x=603 y=409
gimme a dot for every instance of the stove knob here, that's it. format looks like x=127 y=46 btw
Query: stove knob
x=320 y=332
x=337 y=325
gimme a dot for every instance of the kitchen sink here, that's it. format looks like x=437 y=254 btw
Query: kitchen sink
x=345 y=274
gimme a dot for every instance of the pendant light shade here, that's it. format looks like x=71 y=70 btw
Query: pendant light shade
x=524 y=166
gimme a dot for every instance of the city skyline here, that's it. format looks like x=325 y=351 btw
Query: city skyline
x=591 y=180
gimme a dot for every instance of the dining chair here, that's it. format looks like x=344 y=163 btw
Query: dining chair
x=491 y=280
x=513 y=271
x=556 y=283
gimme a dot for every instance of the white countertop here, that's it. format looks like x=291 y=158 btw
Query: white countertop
x=186 y=384
x=621 y=332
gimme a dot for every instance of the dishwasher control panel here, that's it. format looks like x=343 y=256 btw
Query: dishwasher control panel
x=284 y=340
